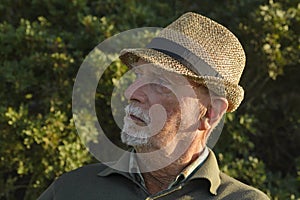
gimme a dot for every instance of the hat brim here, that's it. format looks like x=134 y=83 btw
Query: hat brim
x=232 y=92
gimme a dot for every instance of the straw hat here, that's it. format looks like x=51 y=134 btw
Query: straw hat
x=201 y=49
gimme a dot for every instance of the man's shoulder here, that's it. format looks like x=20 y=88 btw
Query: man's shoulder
x=82 y=176
x=90 y=170
x=87 y=183
x=236 y=188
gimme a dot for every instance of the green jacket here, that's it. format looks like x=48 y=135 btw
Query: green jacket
x=98 y=181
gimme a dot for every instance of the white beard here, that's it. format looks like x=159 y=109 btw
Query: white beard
x=132 y=133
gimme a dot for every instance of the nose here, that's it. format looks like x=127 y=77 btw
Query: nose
x=136 y=91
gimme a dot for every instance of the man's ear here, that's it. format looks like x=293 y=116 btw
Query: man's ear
x=217 y=109
x=214 y=113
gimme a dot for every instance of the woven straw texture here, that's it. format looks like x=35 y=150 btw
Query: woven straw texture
x=209 y=41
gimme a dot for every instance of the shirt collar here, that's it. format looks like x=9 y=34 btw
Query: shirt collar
x=192 y=167
x=209 y=169
x=188 y=171
x=134 y=169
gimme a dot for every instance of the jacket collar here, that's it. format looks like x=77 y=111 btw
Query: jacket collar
x=209 y=170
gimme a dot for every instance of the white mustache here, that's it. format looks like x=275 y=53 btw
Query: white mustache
x=138 y=112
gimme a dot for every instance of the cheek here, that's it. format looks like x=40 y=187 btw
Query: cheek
x=168 y=133
x=191 y=112
x=168 y=101
x=172 y=105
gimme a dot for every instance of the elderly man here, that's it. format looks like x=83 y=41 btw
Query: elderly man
x=186 y=80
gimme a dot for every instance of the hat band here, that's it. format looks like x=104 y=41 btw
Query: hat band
x=184 y=56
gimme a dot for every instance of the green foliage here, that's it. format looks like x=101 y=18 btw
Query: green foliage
x=43 y=43
x=279 y=36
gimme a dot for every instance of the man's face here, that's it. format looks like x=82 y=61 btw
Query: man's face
x=162 y=105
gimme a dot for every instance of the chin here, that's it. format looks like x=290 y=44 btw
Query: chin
x=133 y=141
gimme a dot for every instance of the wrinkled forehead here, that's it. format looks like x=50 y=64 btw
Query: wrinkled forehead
x=176 y=81
x=153 y=70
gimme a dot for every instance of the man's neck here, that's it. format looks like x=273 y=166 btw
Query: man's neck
x=159 y=180
x=156 y=181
